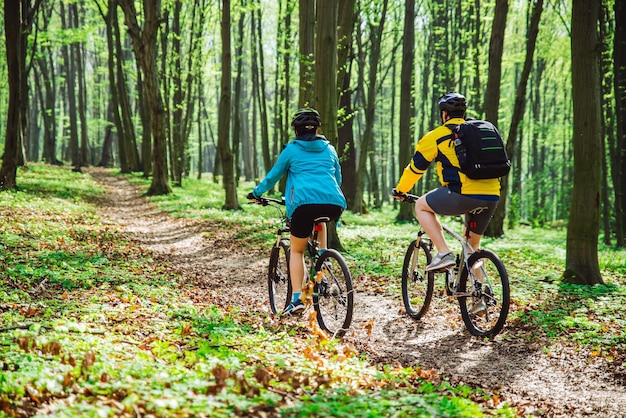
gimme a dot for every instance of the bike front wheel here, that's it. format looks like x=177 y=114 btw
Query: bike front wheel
x=333 y=297
x=485 y=307
x=278 y=283
x=417 y=284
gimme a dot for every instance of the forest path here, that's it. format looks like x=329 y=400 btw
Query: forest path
x=562 y=381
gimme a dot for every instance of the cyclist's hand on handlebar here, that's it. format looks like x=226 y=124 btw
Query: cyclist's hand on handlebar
x=398 y=195
x=254 y=198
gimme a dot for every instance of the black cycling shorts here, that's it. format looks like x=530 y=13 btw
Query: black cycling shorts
x=301 y=223
x=478 y=212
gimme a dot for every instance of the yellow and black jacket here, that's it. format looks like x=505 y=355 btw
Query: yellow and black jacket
x=438 y=145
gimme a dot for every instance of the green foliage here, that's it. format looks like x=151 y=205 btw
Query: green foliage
x=91 y=325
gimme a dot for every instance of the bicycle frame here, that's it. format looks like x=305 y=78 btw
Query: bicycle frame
x=328 y=282
x=466 y=248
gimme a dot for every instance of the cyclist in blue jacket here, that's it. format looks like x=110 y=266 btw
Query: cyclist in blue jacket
x=312 y=190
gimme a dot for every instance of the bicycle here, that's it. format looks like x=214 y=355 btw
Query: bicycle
x=478 y=281
x=328 y=278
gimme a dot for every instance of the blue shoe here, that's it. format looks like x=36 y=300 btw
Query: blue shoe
x=294 y=308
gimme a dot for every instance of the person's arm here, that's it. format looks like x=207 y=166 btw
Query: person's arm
x=425 y=152
x=275 y=173
x=338 y=177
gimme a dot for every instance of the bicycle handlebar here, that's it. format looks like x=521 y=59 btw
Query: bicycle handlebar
x=404 y=197
x=265 y=201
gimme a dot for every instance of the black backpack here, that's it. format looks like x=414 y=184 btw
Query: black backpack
x=480 y=149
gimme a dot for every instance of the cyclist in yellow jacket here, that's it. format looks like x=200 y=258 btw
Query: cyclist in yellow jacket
x=458 y=194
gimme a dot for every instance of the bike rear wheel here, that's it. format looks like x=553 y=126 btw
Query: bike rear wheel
x=417 y=284
x=278 y=283
x=333 y=297
x=485 y=311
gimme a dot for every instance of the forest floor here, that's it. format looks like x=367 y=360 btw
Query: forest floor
x=539 y=377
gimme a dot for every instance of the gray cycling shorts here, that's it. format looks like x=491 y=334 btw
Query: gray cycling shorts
x=478 y=212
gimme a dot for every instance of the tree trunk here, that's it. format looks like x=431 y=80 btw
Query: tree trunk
x=48 y=114
x=12 y=28
x=110 y=20
x=326 y=82
x=70 y=89
x=407 y=102
x=145 y=46
x=77 y=49
x=492 y=99
x=106 y=158
x=128 y=140
x=496 y=226
x=238 y=105
x=178 y=147
x=345 y=134
x=226 y=156
x=581 y=264
x=619 y=156
x=376 y=32
x=306 y=55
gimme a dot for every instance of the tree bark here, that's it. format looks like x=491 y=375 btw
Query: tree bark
x=407 y=102
x=14 y=53
x=619 y=156
x=492 y=98
x=306 y=54
x=496 y=226
x=581 y=264
x=345 y=134
x=18 y=18
x=226 y=156
x=326 y=82
x=376 y=32
x=145 y=47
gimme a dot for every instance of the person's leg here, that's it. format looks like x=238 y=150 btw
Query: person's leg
x=426 y=209
x=431 y=225
x=473 y=240
x=322 y=237
x=296 y=262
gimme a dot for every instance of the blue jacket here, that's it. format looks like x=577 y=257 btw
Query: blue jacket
x=313 y=173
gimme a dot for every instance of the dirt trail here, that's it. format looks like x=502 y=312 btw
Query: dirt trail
x=559 y=382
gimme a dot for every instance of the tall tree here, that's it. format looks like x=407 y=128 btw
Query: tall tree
x=407 y=102
x=581 y=262
x=492 y=95
x=145 y=46
x=326 y=81
x=18 y=19
x=346 y=148
x=111 y=22
x=619 y=156
x=81 y=91
x=223 y=143
x=45 y=65
x=496 y=226
x=69 y=65
x=376 y=27
x=306 y=46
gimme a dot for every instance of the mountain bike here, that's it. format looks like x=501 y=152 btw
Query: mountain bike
x=478 y=281
x=329 y=280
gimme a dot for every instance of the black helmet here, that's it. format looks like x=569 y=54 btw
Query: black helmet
x=452 y=102
x=307 y=116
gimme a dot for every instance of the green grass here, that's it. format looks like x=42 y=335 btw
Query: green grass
x=90 y=325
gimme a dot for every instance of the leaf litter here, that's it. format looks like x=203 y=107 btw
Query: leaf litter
x=521 y=366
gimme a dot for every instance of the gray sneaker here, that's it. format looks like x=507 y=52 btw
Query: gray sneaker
x=440 y=263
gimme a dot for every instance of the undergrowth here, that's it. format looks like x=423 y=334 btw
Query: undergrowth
x=91 y=325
